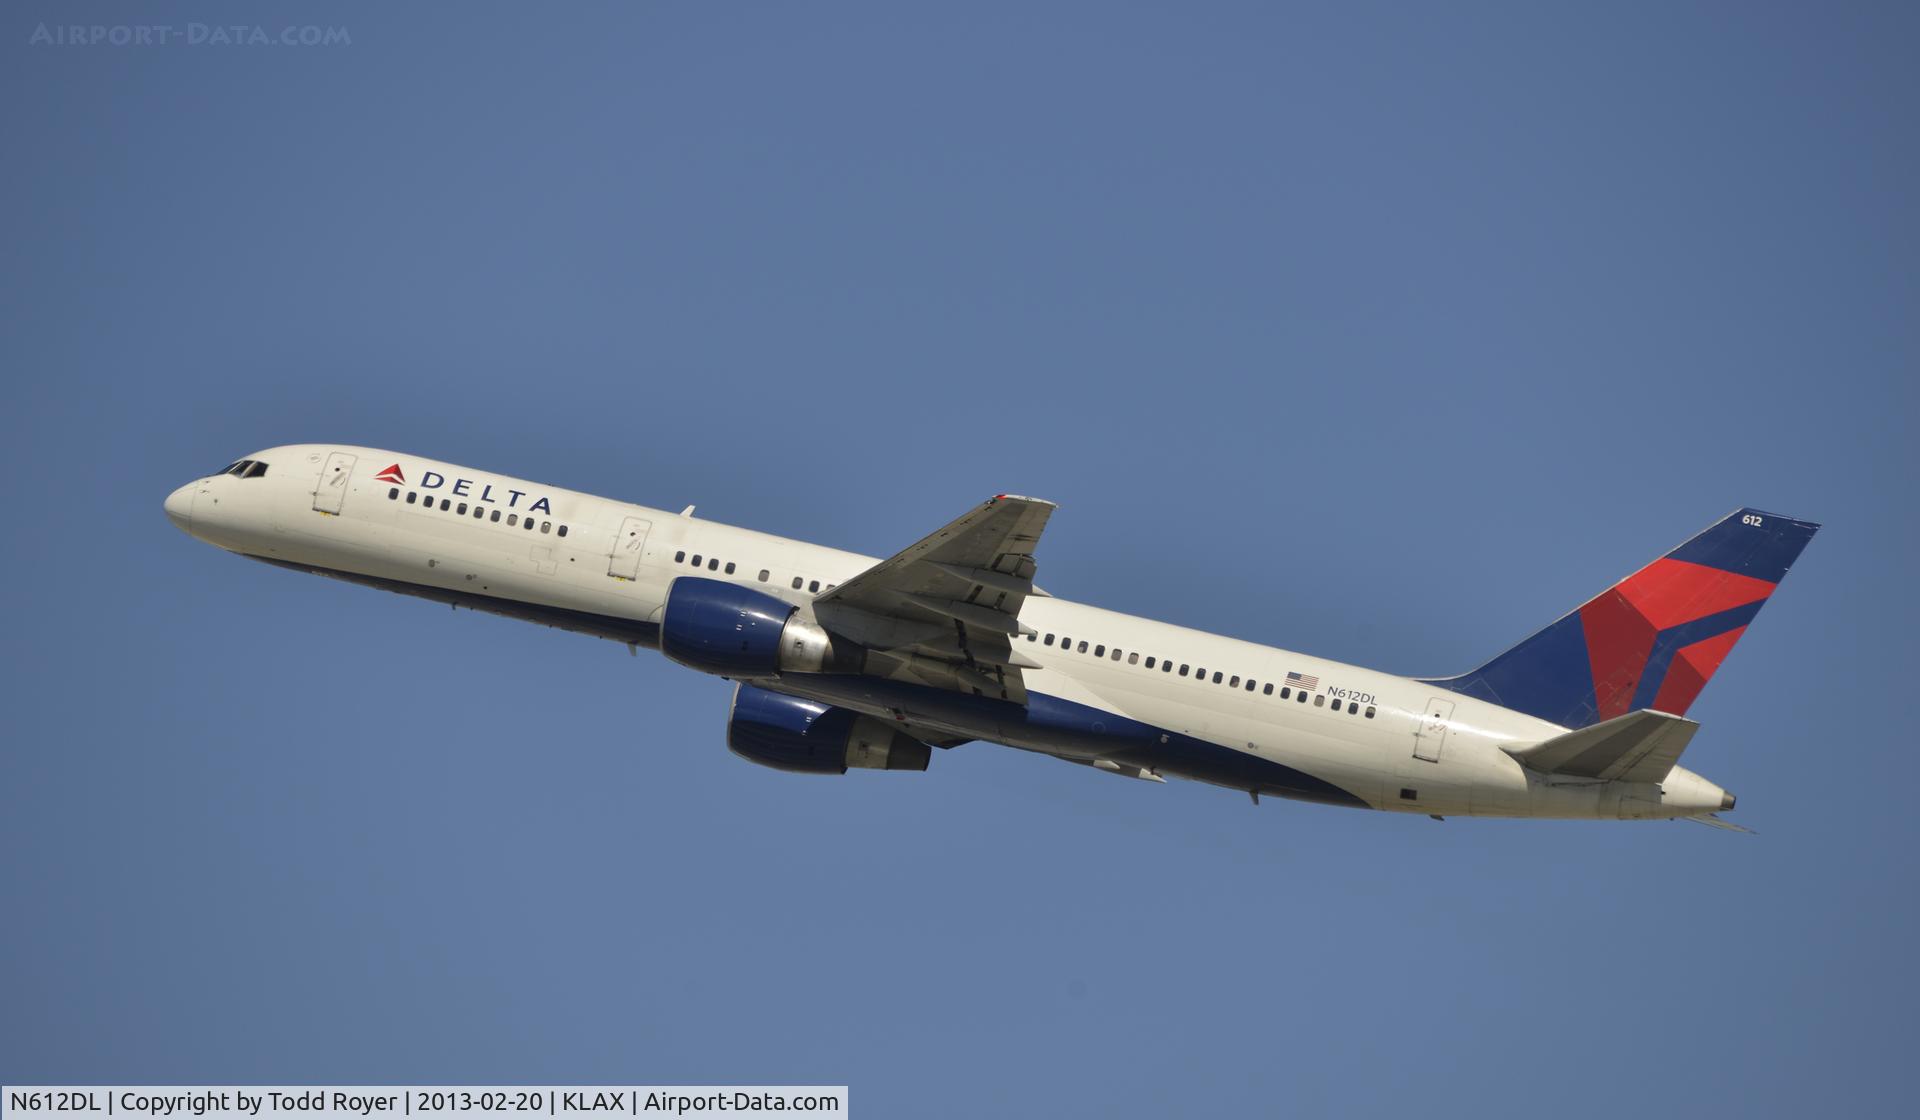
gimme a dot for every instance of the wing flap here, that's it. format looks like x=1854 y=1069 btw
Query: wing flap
x=990 y=619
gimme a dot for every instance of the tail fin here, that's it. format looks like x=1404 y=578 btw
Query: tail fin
x=1653 y=639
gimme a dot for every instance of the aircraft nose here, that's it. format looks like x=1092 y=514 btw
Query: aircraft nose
x=180 y=508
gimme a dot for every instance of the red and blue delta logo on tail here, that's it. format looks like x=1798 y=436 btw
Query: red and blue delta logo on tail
x=1654 y=639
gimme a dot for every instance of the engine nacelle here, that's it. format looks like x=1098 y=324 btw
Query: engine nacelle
x=734 y=631
x=807 y=737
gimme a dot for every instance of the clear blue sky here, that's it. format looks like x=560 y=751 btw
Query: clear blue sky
x=1384 y=333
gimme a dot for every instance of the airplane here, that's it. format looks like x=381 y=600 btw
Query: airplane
x=842 y=661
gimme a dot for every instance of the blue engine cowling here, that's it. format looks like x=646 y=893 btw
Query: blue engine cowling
x=719 y=627
x=807 y=737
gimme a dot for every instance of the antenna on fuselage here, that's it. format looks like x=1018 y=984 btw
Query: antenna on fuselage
x=688 y=512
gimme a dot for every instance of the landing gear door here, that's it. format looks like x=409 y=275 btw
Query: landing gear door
x=1433 y=729
x=624 y=561
x=331 y=490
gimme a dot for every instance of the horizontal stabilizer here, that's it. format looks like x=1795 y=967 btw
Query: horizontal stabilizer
x=1714 y=820
x=1640 y=746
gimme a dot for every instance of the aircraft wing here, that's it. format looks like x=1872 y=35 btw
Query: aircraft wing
x=946 y=611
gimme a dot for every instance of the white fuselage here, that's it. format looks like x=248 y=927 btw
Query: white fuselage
x=1376 y=736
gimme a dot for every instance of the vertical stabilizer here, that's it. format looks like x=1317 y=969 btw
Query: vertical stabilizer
x=1653 y=640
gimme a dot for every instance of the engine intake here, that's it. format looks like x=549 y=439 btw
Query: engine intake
x=806 y=737
x=719 y=627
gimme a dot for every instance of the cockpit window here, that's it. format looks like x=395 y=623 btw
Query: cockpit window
x=228 y=469
x=239 y=468
x=256 y=470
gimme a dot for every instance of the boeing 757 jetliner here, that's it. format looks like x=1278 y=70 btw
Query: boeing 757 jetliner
x=844 y=661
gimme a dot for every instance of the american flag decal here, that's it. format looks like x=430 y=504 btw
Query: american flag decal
x=1302 y=680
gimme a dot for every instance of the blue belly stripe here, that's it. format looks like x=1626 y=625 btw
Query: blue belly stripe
x=1052 y=722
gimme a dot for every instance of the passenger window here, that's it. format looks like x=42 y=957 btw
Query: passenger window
x=1183 y=670
x=1216 y=678
x=813 y=585
x=1369 y=711
x=1116 y=653
x=798 y=583
x=1083 y=647
x=479 y=512
x=680 y=557
x=1235 y=683
x=1320 y=701
x=1286 y=694
x=1353 y=707
x=446 y=504
x=1134 y=659
x=1066 y=642
x=495 y=518
x=729 y=567
x=713 y=564
x=1049 y=639
x=562 y=530
x=411 y=496
x=462 y=511
x=1300 y=696
x=1033 y=635
x=393 y=495
x=1200 y=673
x=545 y=525
x=514 y=519
x=527 y=524
x=1166 y=666
x=764 y=573
x=1100 y=651
x=696 y=560
x=1267 y=690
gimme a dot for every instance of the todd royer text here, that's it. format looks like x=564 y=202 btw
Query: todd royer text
x=250 y=1104
x=317 y=1100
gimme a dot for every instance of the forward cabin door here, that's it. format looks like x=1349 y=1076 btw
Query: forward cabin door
x=332 y=487
x=624 y=561
x=1433 y=729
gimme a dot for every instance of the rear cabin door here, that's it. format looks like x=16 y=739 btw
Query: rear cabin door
x=1433 y=729
x=624 y=561
x=331 y=490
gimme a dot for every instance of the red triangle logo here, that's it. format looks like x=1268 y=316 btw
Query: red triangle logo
x=391 y=474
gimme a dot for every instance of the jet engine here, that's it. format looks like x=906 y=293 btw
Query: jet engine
x=734 y=631
x=788 y=733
